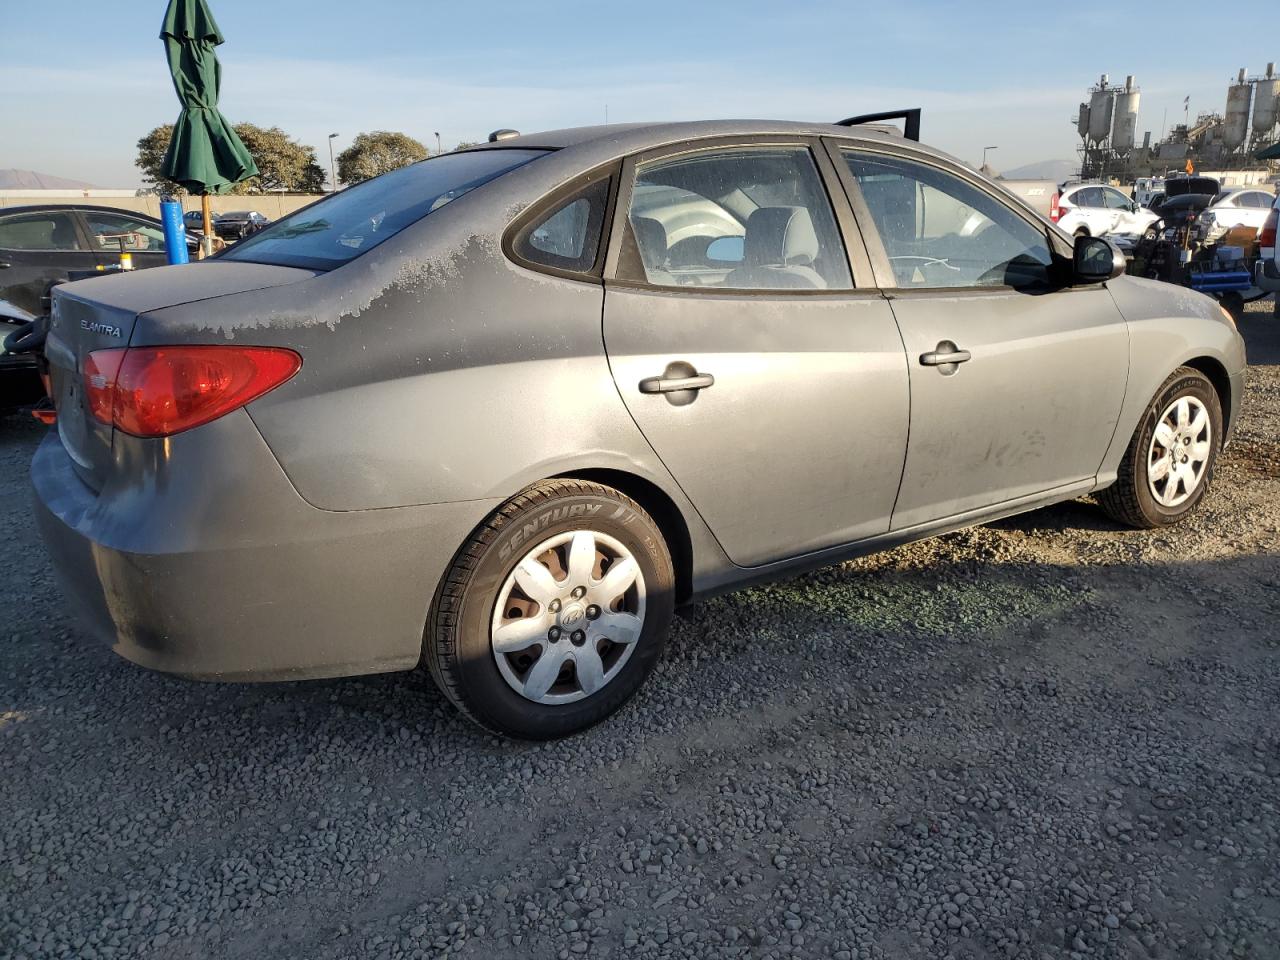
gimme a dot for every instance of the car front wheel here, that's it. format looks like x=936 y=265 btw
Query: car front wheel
x=554 y=612
x=1168 y=466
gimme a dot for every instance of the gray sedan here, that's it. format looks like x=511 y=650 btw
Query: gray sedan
x=503 y=410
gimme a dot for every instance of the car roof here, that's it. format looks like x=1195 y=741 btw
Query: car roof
x=82 y=207
x=619 y=139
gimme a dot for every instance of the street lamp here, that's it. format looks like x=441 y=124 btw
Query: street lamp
x=333 y=176
x=984 y=156
x=439 y=149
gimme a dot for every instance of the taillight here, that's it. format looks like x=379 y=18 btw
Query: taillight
x=160 y=391
x=1055 y=210
x=1267 y=238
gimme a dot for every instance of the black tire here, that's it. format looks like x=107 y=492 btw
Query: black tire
x=1129 y=500
x=1082 y=232
x=457 y=645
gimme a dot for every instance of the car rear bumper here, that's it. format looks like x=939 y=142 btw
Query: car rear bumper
x=211 y=566
x=1266 y=275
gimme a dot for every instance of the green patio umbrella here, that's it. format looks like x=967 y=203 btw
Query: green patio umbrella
x=205 y=155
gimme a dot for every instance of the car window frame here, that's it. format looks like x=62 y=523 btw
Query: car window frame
x=1060 y=247
x=82 y=233
x=862 y=277
x=549 y=203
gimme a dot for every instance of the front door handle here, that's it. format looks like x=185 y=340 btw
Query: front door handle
x=672 y=384
x=5 y=264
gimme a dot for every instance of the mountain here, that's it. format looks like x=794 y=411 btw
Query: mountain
x=31 y=180
x=1055 y=170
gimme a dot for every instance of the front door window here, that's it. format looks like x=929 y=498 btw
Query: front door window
x=941 y=231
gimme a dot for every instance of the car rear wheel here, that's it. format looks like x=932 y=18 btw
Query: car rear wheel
x=554 y=612
x=1168 y=467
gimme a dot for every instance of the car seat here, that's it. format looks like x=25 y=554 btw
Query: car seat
x=779 y=251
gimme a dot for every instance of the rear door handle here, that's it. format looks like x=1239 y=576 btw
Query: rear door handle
x=5 y=264
x=672 y=384
x=949 y=353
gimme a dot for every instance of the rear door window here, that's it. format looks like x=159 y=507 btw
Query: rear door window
x=351 y=222
x=745 y=218
x=1087 y=197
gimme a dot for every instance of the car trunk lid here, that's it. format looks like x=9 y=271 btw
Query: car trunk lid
x=101 y=313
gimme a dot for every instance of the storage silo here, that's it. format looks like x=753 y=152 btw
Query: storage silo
x=1082 y=121
x=1125 y=125
x=1235 y=127
x=1266 y=102
x=1101 y=105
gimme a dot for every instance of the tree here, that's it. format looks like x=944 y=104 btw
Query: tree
x=283 y=164
x=373 y=154
x=464 y=145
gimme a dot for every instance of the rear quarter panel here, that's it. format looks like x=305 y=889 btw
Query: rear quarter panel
x=1168 y=327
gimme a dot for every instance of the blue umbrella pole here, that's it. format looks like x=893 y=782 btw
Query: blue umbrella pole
x=175 y=234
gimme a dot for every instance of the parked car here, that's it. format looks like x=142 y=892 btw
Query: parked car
x=1181 y=212
x=1240 y=207
x=503 y=409
x=194 y=221
x=20 y=383
x=1267 y=272
x=42 y=245
x=1097 y=210
x=239 y=224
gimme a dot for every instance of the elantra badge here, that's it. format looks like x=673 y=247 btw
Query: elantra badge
x=94 y=327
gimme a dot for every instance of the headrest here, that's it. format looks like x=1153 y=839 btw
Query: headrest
x=651 y=235
x=780 y=236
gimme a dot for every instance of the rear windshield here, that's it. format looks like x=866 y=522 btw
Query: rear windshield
x=343 y=226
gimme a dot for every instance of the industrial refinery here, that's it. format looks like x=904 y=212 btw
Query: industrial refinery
x=1220 y=142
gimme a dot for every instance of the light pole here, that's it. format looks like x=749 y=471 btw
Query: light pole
x=984 y=155
x=333 y=175
x=439 y=149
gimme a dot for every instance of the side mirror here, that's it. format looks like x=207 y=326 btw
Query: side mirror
x=1097 y=260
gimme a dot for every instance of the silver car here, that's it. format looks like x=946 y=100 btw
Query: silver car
x=503 y=410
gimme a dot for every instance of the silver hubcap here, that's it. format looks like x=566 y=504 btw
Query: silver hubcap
x=568 y=617
x=1179 y=451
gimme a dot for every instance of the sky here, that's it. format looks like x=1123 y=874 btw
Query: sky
x=81 y=81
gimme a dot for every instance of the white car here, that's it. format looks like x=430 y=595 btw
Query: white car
x=1240 y=207
x=1096 y=210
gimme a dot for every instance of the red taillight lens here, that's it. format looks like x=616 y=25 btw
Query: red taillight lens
x=1055 y=211
x=159 y=391
x=1267 y=238
x=100 y=371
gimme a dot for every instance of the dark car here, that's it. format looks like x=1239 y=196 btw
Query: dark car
x=1181 y=211
x=503 y=409
x=239 y=224
x=193 y=220
x=43 y=245
x=19 y=376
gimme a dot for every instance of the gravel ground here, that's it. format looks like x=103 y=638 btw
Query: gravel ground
x=1045 y=738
